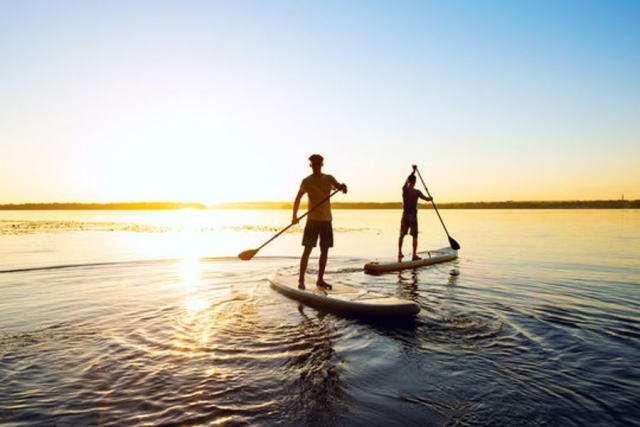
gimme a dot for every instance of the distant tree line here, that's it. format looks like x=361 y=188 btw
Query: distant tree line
x=567 y=204
x=102 y=206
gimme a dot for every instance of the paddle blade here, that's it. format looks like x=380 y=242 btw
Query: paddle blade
x=453 y=243
x=247 y=255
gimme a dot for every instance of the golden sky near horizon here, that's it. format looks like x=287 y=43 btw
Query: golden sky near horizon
x=220 y=102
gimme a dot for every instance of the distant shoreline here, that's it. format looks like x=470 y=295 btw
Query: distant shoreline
x=567 y=204
x=140 y=206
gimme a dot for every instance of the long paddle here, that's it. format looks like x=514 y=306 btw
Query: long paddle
x=452 y=242
x=250 y=253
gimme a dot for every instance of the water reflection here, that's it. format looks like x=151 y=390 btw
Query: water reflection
x=195 y=329
x=317 y=395
x=453 y=276
x=408 y=284
x=190 y=273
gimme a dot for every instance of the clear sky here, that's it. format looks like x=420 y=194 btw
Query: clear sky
x=221 y=101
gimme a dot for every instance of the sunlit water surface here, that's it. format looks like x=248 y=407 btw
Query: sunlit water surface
x=150 y=319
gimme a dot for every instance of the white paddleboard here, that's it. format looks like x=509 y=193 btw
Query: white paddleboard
x=428 y=258
x=343 y=299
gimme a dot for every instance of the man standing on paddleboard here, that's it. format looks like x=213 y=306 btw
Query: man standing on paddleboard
x=409 y=221
x=318 y=187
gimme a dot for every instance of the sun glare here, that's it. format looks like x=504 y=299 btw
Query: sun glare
x=189 y=253
x=190 y=273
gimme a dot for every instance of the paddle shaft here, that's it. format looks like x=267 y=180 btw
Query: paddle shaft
x=253 y=252
x=453 y=243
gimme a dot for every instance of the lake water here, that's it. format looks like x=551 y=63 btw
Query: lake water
x=111 y=318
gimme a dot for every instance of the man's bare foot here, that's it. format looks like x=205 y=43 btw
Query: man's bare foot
x=324 y=285
x=301 y=285
x=400 y=256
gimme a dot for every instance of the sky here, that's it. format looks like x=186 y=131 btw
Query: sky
x=224 y=101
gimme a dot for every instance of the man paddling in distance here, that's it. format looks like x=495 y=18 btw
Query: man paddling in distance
x=318 y=187
x=409 y=221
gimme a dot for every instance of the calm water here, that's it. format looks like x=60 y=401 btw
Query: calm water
x=149 y=319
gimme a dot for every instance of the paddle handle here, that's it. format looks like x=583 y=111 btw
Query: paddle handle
x=299 y=218
x=455 y=245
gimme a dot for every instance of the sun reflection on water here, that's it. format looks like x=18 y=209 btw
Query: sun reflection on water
x=194 y=301
x=195 y=328
x=190 y=272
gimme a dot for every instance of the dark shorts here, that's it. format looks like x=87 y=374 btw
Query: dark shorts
x=409 y=224
x=313 y=229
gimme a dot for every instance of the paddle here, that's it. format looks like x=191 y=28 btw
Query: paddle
x=248 y=254
x=452 y=242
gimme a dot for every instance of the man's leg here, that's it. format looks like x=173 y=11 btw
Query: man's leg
x=322 y=265
x=326 y=241
x=415 y=247
x=404 y=229
x=304 y=260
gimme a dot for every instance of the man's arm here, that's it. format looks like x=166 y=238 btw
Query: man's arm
x=296 y=206
x=406 y=182
x=337 y=185
x=423 y=197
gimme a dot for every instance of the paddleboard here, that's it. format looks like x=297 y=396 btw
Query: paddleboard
x=342 y=298
x=428 y=258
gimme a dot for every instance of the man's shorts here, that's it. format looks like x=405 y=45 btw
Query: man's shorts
x=409 y=224
x=313 y=229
